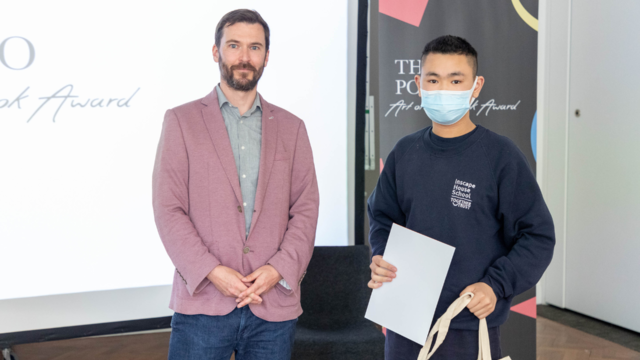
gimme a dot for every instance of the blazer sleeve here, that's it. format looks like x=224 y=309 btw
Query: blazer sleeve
x=189 y=254
x=295 y=251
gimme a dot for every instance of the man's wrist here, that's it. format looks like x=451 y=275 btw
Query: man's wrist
x=210 y=276
x=280 y=278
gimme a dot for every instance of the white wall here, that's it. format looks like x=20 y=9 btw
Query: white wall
x=588 y=163
x=352 y=56
x=553 y=109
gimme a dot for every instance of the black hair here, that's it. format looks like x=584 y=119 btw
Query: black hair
x=241 y=16
x=450 y=44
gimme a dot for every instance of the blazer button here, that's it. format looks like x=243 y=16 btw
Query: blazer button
x=239 y=208
x=246 y=250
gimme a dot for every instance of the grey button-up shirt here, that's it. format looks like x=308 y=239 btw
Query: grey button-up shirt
x=245 y=135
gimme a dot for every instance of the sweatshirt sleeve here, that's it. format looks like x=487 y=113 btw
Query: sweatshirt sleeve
x=384 y=208
x=527 y=229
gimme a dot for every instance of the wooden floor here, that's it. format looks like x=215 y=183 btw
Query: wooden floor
x=555 y=342
x=560 y=342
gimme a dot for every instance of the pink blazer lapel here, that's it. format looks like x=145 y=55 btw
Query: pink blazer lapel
x=267 y=156
x=220 y=138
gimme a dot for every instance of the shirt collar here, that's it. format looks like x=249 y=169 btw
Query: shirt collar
x=223 y=100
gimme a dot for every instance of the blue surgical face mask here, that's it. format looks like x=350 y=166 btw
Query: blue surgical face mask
x=447 y=107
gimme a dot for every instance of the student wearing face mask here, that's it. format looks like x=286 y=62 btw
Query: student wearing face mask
x=471 y=188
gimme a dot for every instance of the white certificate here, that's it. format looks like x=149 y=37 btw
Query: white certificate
x=408 y=303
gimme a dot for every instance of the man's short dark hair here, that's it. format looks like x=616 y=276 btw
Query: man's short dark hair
x=241 y=16
x=449 y=44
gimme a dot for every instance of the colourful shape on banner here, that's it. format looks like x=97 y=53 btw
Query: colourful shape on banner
x=381 y=165
x=384 y=331
x=526 y=308
x=524 y=14
x=409 y=11
x=534 y=136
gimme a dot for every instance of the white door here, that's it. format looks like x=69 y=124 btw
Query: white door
x=603 y=192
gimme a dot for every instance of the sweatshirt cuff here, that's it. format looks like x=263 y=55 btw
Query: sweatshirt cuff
x=379 y=248
x=495 y=286
x=376 y=252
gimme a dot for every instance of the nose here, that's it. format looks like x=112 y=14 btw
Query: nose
x=244 y=55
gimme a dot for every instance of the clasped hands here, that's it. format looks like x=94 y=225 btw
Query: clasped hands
x=483 y=302
x=246 y=289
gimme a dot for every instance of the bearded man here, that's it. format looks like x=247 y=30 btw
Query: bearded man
x=235 y=198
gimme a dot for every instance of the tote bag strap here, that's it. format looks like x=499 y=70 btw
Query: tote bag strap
x=440 y=329
x=484 y=353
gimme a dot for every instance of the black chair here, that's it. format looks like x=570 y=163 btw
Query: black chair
x=334 y=299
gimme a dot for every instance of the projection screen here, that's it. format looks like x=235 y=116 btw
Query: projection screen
x=83 y=90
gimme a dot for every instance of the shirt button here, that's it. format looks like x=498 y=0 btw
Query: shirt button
x=242 y=148
x=245 y=204
x=246 y=250
x=239 y=208
x=244 y=176
x=241 y=121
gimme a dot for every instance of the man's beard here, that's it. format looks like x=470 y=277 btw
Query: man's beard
x=243 y=83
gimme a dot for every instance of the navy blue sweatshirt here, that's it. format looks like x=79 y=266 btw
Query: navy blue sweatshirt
x=478 y=194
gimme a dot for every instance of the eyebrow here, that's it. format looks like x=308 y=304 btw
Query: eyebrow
x=237 y=41
x=455 y=73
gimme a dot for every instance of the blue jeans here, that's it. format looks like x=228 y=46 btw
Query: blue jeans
x=458 y=345
x=204 y=337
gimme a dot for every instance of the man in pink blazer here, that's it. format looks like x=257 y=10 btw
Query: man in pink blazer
x=236 y=201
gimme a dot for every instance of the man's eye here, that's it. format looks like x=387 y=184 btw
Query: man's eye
x=254 y=48
x=432 y=81
x=233 y=46
x=456 y=82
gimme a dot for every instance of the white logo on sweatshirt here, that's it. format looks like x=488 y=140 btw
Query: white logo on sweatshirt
x=461 y=194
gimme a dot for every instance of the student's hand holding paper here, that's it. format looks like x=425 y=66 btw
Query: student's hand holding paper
x=484 y=299
x=418 y=255
x=381 y=272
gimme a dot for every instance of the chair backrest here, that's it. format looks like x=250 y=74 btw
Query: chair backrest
x=334 y=290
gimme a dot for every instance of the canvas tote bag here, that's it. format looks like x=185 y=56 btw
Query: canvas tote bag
x=441 y=328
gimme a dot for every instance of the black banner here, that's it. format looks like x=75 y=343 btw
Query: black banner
x=504 y=33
